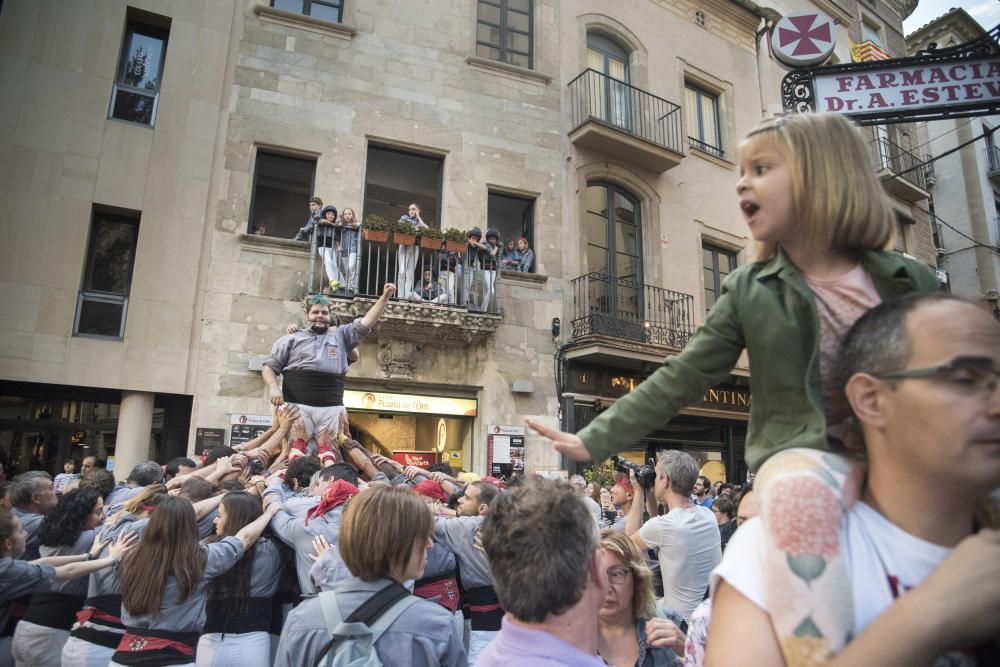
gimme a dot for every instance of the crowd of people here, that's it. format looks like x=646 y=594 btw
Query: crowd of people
x=434 y=277
x=868 y=536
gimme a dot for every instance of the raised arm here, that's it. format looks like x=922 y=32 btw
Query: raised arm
x=249 y=533
x=374 y=313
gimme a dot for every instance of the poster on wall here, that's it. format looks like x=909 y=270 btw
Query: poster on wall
x=504 y=450
x=244 y=427
x=208 y=438
x=414 y=458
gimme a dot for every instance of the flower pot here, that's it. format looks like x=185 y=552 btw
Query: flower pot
x=376 y=235
x=456 y=246
x=432 y=244
x=404 y=239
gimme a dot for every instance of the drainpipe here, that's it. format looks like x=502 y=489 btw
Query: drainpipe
x=768 y=18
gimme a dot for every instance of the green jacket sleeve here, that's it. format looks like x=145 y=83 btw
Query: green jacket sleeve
x=683 y=379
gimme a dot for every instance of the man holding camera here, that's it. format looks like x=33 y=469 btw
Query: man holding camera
x=687 y=535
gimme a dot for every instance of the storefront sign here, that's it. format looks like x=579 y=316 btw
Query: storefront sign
x=244 y=428
x=208 y=438
x=953 y=82
x=937 y=86
x=414 y=458
x=375 y=401
x=733 y=399
x=801 y=39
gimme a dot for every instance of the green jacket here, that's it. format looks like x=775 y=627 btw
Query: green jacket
x=768 y=309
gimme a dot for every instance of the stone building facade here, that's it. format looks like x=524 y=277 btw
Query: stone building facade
x=607 y=138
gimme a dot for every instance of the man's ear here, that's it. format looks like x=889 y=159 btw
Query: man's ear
x=865 y=393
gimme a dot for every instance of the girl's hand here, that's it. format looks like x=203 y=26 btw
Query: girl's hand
x=565 y=443
x=97 y=547
x=124 y=544
x=320 y=547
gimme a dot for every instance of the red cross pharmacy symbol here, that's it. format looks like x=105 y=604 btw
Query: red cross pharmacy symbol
x=806 y=34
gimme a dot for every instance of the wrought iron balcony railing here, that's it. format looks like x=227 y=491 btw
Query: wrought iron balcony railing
x=344 y=263
x=620 y=308
x=897 y=160
x=595 y=96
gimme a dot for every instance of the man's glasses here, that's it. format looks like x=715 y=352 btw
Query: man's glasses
x=618 y=575
x=969 y=375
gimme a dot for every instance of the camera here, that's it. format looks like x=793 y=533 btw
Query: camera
x=645 y=475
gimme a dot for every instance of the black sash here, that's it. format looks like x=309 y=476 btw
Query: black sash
x=313 y=388
x=482 y=606
x=256 y=618
x=53 y=610
x=157 y=657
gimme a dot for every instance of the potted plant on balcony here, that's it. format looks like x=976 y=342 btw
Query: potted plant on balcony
x=403 y=233
x=376 y=229
x=455 y=240
x=430 y=238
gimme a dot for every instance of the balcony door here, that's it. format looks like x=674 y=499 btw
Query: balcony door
x=614 y=253
x=610 y=99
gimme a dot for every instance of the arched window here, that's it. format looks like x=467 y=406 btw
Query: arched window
x=609 y=90
x=612 y=231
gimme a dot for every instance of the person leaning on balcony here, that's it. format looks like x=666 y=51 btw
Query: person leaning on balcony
x=527 y=262
x=406 y=255
x=328 y=242
x=315 y=204
x=348 y=257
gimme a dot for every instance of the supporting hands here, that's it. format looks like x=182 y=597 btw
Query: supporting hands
x=567 y=444
x=124 y=544
x=320 y=547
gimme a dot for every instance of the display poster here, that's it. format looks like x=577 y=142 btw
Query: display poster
x=244 y=427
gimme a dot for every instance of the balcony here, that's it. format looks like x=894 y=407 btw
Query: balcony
x=626 y=323
x=901 y=172
x=460 y=304
x=993 y=163
x=620 y=120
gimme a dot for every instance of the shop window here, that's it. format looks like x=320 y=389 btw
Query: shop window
x=136 y=90
x=282 y=186
x=513 y=216
x=702 y=108
x=716 y=263
x=395 y=179
x=103 y=299
x=504 y=31
x=325 y=10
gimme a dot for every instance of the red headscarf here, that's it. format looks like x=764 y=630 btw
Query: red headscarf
x=431 y=489
x=494 y=481
x=626 y=487
x=336 y=494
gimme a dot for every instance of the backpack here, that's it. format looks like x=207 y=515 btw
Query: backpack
x=352 y=642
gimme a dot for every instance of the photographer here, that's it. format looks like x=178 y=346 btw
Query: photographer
x=687 y=535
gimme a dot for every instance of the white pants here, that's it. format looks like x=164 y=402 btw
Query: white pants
x=77 y=652
x=406 y=265
x=329 y=256
x=442 y=298
x=479 y=281
x=245 y=649
x=478 y=641
x=448 y=285
x=38 y=645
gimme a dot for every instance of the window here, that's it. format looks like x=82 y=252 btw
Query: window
x=702 y=110
x=513 y=216
x=610 y=97
x=282 y=186
x=503 y=31
x=140 y=70
x=903 y=223
x=870 y=33
x=107 y=279
x=612 y=232
x=326 y=10
x=716 y=264
x=395 y=179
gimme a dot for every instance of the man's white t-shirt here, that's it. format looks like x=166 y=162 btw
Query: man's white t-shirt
x=882 y=563
x=689 y=543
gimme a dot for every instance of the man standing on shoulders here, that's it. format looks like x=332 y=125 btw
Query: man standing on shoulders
x=687 y=535
x=312 y=363
x=546 y=561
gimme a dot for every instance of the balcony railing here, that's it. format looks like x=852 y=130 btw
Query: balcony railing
x=897 y=160
x=358 y=266
x=594 y=96
x=621 y=308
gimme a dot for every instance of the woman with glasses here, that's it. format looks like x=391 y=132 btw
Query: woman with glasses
x=633 y=631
